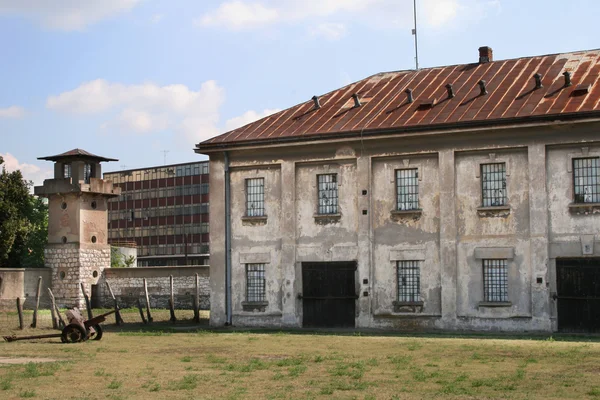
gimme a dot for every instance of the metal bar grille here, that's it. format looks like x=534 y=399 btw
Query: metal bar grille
x=67 y=171
x=87 y=172
x=409 y=281
x=586 y=180
x=407 y=189
x=495 y=281
x=328 y=193
x=255 y=282
x=493 y=184
x=255 y=197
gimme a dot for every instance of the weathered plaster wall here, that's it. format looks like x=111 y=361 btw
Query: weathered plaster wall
x=451 y=234
x=256 y=240
x=22 y=283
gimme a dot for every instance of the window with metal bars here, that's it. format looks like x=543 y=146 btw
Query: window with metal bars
x=407 y=189
x=255 y=282
x=495 y=281
x=255 y=197
x=409 y=281
x=328 y=193
x=586 y=180
x=493 y=184
x=67 y=171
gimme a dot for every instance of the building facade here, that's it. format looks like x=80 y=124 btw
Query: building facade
x=455 y=198
x=164 y=211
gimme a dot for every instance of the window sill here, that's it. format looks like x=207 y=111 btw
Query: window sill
x=254 y=306
x=260 y=220
x=408 y=306
x=584 y=208
x=324 y=219
x=401 y=215
x=494 y=304
x=493 y=211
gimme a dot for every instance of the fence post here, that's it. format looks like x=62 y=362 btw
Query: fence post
x=118 y=318
x=147 y=301
x=197 y=301
x=20 y=312
x=141 y=311
x=37 y=303
x=53 y=310
x=88 y=306
x=172 y=300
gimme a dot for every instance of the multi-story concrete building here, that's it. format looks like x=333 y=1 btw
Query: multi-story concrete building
x=164 y=211
x=458 y=197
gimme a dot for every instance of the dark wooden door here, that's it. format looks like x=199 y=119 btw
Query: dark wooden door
x=95 y=300
x=578 y=294
x=329 y=294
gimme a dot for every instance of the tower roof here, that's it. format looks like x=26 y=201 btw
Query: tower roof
x=76 y=153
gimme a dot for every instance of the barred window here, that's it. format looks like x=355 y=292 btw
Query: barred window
x=409 y=281
x=493 y=184
x=495 y=280
x=255 y=282
x=255 y=197
x=67 y=171
x=87 y=173
x=407 y=189
x=586 y=180
x=328 y=193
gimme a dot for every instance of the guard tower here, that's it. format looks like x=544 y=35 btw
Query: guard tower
x=77 y=249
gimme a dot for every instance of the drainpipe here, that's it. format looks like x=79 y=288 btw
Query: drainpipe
x=227 y=241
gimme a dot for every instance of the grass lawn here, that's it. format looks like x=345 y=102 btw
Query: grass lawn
x=180 y=364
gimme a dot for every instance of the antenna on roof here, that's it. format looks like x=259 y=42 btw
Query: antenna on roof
x=414 y=32
x=165 y=156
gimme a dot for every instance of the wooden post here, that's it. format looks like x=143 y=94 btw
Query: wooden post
x=172 y=301
x=147 y=301
x=88 y=306
x=37 y=302
x=141 y=311
x=197 y=301
x=20 y=311
x=118 y=318
x=53 y=310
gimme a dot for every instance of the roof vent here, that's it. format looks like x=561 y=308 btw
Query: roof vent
x=356 y=100
x=482 y=87
x=409 y=95
x=426 y=104
x=486 y=55
x=315 y=99
x=567 y=76
x=450 y=90
x=538 y=81
x=582 y=89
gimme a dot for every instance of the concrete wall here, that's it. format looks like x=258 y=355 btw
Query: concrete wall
x=450 y=235
x=127 y=285
x=22 y=282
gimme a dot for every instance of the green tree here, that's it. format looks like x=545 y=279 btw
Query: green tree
x=23 y=222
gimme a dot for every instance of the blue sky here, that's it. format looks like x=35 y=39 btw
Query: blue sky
x=130 y=78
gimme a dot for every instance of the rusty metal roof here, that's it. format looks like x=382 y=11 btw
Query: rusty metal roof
x=76 y=153
x=512 y=97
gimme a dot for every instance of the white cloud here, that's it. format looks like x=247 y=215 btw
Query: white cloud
x=29 y=171
x=239 y=15
x=244 y=15
x=12 y=112
x=147 y=108
x=330 y=31
x=156 y=18
x=248 y=117
x=66 y=15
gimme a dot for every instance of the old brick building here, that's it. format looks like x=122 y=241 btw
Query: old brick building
x=457 y=197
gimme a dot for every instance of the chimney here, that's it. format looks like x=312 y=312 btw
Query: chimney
x=485 y=55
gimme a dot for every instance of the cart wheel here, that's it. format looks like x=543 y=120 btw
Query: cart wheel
x=98 y=334
x=73 y=333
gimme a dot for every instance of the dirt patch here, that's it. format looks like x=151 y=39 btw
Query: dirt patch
x=24 y=360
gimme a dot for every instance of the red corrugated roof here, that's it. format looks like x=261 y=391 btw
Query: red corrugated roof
x=512 y=97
